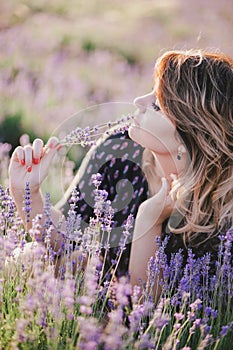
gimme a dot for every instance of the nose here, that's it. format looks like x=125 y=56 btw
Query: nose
x=142 y=102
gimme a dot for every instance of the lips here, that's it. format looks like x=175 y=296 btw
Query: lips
x=136 y=118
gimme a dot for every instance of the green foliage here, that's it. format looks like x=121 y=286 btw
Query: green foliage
x=88 y=45
x=11 y=128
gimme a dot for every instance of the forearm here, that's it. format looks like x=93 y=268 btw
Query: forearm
x=143 y=247
x=37 y=207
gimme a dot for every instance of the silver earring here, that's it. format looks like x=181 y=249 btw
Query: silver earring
x=181 y=151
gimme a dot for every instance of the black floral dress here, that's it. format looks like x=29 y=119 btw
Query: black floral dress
x=119 y=160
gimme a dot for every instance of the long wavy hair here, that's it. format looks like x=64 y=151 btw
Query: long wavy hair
x=195 y=90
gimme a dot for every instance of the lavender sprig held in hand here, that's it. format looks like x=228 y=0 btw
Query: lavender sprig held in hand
x=89 y=135
x=27 y=202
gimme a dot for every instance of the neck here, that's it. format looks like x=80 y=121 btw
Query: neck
x=167 y=163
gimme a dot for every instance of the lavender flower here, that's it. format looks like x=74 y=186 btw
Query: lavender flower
x=196 y=305
x=136 y=294
x=111 y=338
x=211 y=312
x=73 y=220
x=126 y=234
x=224 y=330
x=160 y=317
x=135 y=318
x=205 y=342
x=108 y=214
x=96 y=179
x=35 y=231
x=178 y=316
x=90 y=333
x=47 y=218
x=68 y=296
x=123 y=291
x=8 y=208
x=90 y=286
x=27 y=202
x=88 y=136
x=21 y=334
x=145 y=342
x=100 y=200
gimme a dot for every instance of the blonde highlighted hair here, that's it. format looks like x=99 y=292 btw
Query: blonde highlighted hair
x=195 y=90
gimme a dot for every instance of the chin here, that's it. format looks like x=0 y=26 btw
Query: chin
x=135 y=134
x=132 y=131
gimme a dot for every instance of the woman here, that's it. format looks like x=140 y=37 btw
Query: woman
x=187 y=158
x=194 y=91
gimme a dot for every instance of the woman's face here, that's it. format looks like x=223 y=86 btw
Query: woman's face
x=151 y=128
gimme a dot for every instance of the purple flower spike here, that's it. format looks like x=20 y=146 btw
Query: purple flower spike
x=89 y=135
x=96 y=179
x=27 y=202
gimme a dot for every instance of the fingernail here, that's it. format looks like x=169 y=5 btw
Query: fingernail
x=59 y=147
x=51 y=145
x=35 y=160
x=29 y=168
x=22 y=162
x=173 y=176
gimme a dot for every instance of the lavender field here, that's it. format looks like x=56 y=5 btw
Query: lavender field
x=57 y=59
x=42 y=307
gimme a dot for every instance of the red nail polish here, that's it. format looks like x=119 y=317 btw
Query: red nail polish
x=29 y=168
x=35 y=160
x=22 y=162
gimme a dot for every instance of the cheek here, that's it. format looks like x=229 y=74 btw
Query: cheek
x=155 y=141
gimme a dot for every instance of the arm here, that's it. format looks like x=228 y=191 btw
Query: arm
x=141 y=250
x=148 y=225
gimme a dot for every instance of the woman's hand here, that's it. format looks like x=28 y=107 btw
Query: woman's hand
x=31 y=163
x=154 y=210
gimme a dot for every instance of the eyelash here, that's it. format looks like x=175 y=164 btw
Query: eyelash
x=155 y=106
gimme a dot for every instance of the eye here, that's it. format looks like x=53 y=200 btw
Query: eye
x=155 y=106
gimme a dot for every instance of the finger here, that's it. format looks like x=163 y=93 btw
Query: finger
x=18 y=155
x=45 y=162
x=53 y=142
x=173 y=177
x=164 y=198
x=50 y=150
x=28 y=157
x=159 y=199
x=164 y=190
x=37 y=146
x=24 y=140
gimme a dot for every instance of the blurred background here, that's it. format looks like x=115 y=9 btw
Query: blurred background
x=58 y=57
